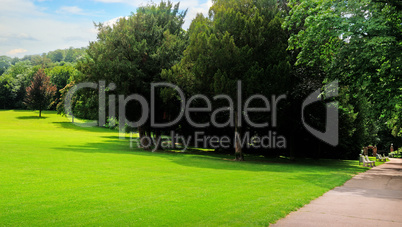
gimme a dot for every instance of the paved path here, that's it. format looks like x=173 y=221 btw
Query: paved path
x=373 y=198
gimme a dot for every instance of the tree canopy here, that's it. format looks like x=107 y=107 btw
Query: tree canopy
x=356 y=42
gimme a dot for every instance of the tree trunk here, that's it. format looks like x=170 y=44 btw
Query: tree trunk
x=157 y=140
x=141 y=134
x=238 y=149
x=40 y=112
x=318 y=153
x=147 y=140
x=292 y=145
x=173 y=139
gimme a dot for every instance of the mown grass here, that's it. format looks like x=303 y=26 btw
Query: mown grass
x=55 y=173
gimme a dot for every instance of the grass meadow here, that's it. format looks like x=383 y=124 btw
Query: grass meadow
x=55 y=173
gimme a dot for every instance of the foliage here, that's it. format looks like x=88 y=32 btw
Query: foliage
x=61 y=76
x=84 y=103
x=7 y=94
x=240 y=41
x=357 y=42
x=16 y=74
x=56 y=56
x=40 y=92
x=133 y=52
x=5 y=62
x=39 y=60
x=112 y=123
x=15 y=79
x=358 y=126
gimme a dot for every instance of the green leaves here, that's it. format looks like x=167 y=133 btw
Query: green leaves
x=357 y=42
x=133 y=52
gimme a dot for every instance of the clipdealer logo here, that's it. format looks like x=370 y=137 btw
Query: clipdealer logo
x=330 y=136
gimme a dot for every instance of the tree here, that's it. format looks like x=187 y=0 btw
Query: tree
x=133 y=52
x=357 y=42
x=19 y=77
x=5 y=62
x=241 y=40
x=41 y=60
x=61 y=76
x=69 y=55
x=40 y=92
x=56 y=56
x=7 y=95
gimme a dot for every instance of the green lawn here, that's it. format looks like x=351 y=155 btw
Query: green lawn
x=54 y=173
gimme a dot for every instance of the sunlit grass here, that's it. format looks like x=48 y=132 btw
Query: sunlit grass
x=55 y=173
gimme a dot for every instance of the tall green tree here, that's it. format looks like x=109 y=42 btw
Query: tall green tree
x=133 y=52
x=357 y=42
x=240 y=41
x=61 y=76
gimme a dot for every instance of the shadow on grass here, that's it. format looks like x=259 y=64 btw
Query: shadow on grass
x=203 y=159
x=210 y=160
x=30 y=117
x=325 y=174
x=69 y=125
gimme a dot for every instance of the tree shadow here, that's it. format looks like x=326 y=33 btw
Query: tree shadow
x=210 y=160
x=30 y=117
x=194 y=157
x=72 y=126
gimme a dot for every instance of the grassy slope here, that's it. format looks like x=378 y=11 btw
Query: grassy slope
x=52 y=172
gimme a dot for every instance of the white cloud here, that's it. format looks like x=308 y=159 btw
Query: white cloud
x=112 y=21
x=13 y=7
x=129 y=2
x=71 y=10
x=24 y=36
x=36 y=32
x=16 y=51
x=194 y=7
x=16 y=37
x=27 y=29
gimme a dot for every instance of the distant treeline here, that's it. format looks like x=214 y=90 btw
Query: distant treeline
x=17 y=73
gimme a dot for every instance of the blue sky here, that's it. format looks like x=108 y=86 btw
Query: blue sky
x=38 y=26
